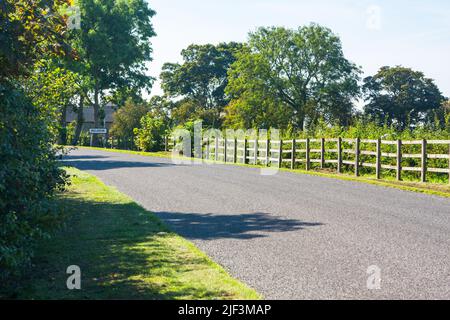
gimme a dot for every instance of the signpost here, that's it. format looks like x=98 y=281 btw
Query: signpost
x=97 y=131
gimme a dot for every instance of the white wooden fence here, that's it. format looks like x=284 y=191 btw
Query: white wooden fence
x=349 y=152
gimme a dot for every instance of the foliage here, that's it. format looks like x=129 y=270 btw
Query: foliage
x=126 y=119
x=114 y=47
x=29 y=30
x=150 y=135
x=29 y=177
x=302 y=70
x=401 y=96
x=53 y=88
x=201 y=81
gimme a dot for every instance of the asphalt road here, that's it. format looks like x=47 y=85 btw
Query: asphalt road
x=293 y=236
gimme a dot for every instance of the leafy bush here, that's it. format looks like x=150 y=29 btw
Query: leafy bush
x=29 y=177
x=150 y=136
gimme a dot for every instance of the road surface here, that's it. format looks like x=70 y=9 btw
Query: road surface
x=293 y=236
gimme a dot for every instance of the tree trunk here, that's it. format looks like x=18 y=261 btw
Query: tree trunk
x=62 y=139
x=95 y=140
x=300 y=122
x=80 y=121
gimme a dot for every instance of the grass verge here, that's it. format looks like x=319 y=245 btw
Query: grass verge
x=438 y=189
x=124 y=252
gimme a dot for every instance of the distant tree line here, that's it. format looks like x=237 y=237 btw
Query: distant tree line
x=292 y=79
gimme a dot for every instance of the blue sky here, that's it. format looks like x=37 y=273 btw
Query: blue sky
x=411 y=33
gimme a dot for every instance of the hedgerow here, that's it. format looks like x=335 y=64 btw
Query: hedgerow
x=29 y=178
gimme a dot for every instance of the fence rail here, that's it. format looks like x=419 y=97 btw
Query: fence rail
x=355 y=153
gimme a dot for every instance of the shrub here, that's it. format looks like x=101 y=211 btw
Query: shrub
x=29 y=177
x=150 y=136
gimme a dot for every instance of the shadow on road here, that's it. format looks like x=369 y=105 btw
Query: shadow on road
x=239 y=226
x=94 y=165
x=80 y=157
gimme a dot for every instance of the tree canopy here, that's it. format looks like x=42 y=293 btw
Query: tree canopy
x=401 y=96
x=201 y=80
x=30 y=30
x=114 y=47
x=303 y=71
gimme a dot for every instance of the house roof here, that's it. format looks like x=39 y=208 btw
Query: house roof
x=88 y=114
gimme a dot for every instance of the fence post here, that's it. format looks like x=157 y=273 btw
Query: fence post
x=280 y=154
x=207 y=148
x=255 y=151
x=267 y=151
x=165 y=143
x=225 y=150
x=322 y=153
x=378 y=160
x=423 y=175
x=235 y=151
x=357 y=142
x=449 y=163
x=307 y=166
x=245 y=150
x=399 y=160
x=339 y=149
x=216 y=148
x=293 y=155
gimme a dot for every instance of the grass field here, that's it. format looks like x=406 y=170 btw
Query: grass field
x=439 y=189
x=124 y=252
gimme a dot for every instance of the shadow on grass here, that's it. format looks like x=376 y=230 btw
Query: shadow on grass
x=123 y=251
x=126 y=252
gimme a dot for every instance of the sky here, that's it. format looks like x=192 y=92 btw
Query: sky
x=414 y=34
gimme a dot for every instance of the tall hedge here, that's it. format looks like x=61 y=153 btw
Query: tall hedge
x=29 y=177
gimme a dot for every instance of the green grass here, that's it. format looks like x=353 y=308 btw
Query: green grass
x=124 y=252
x=438 y=189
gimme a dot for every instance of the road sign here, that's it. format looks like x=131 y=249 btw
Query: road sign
x=98 y=130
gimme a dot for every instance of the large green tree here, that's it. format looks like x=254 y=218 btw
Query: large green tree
x=400 y=96
x=114 y=47
x=200 y=80
x=302 y=70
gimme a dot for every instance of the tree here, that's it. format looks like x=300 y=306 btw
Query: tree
x=126 y=119
x=114 y=47
x=30 y=30
x=302 y=70
x=439 y=118
x=401 y=96
x=150 y=135
x=201 y=80
x=161 y=107
x=54 y=89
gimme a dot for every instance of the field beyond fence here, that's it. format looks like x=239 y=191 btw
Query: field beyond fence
x=421 y=160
